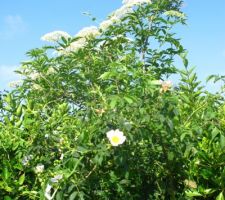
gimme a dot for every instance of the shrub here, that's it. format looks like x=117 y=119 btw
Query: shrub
x=95 y=116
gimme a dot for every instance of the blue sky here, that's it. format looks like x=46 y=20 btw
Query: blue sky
x=23 y=22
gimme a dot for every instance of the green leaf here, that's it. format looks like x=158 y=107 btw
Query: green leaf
x=170 y=156
x=222 y=141
x=128 y=99
x=7 y=198
x=214 y=133
x=113 y=102
x=19 y=110
x=6 y=173
x=220 y=196
x=21 y=179
x=193 y=193
x=73 y=196
x=105 y=75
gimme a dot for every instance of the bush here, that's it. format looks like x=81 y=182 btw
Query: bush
x=95 y=116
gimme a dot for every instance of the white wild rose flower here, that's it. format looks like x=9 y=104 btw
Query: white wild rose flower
x=116 y=137
x=55 y=36
x=91 y=31
x=166 y=85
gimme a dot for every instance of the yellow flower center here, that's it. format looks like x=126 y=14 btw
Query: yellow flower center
x=115 y=139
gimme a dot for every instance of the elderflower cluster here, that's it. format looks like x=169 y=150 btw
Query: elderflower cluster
x=39 y=168
x=87 y=32
x=15 y=84
x=115 y=17
x=107 y=23
x=122 y=11
x=36 y=87
x=174 y=13
x=84 y=34
x=34 y=76
x=26 y=160
x=51 y=70
x=74 y=46
x=135 y=2
x=55 y=36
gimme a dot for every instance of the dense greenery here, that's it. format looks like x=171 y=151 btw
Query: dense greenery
x=53 y=126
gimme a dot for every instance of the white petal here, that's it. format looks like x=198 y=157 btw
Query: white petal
x=122 y=140
x=110 y=134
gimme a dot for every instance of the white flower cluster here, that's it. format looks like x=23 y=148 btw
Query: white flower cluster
x=107 y=23
x=26 y=159
x=91 y=31
x=122 y=11
x=75 y=46
x=55 y=36
x=15 y=84
x=34 y=76
x=84 y=34
x=39 y=168
x=36 y=87
x=51 y=70
x=174 y=13
x=115 y=17
x=135 y=2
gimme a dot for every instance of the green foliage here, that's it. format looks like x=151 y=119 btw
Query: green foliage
x=53 y=141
